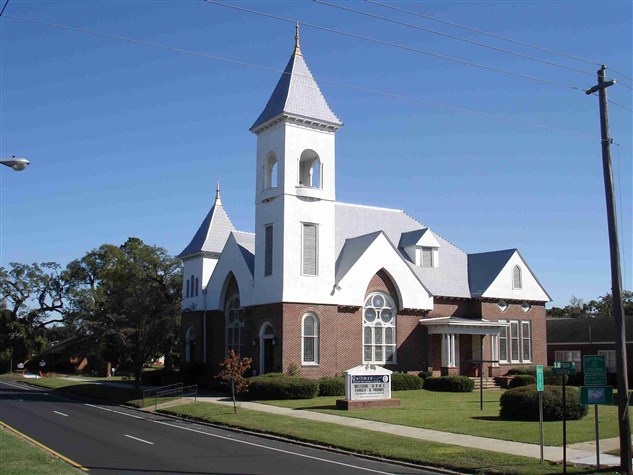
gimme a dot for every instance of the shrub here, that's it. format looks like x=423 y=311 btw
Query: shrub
x=425 y=374
x=522 y=404
x=548 y=376
x=332 y=386
x=281 y=387
x=404 y=382
x=455 y=384
x=522 y=380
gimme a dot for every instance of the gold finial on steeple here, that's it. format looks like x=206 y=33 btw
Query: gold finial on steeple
x=217 y=194
x=297 y=48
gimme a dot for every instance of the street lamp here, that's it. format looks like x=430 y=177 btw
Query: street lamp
x=17 y=163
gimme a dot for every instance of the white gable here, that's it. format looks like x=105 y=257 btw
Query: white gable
x=381 y=254
x=231 y=260
x=502 y=286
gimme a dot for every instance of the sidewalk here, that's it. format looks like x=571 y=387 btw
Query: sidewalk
x=581 y=453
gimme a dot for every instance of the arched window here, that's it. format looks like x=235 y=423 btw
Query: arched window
x=310 y=169
x=187 y=285
x=379 y=329
x=517 y=283
x=190 y=344
x=270 y=171
x=234 y=324
x=310 y=339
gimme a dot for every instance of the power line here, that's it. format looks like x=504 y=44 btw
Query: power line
x=619 y=105
x=396 y=45
x=4 y=7
x=326 y=81
x=458 y=38
x=492 y=35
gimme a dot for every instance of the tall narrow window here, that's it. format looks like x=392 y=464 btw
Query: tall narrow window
x=514 y=340
x=526 y=340
x=193 y=288
x=188 y=286
x=310 y=339
x=197 y=286
x=309 y=251
x=234 y=325
x=427 y=257
x=270 y=171
x=503 y=342
x=268 y=251
x=310 y=169
x=516 y=278
x=379 y=329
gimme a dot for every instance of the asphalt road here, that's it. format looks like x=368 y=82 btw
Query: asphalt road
x=110 y=439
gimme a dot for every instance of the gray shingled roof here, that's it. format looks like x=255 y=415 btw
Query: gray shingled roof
x=246 y=242
x=212 y=233
x=297 y=94
x=450 y=279
x=484 y=267
x=411 y=238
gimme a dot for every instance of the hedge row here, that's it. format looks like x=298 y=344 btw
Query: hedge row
x=548 y=376
x=405 y=382
x=522 y=380
x=522 y=404
x=455 y=384
x=281 y=387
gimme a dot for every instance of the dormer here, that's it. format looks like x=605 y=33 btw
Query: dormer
x=422 y=247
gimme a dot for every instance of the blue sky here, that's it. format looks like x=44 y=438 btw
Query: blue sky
x=128 y=140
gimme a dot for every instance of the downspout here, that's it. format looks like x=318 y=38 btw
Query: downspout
x=204 y=327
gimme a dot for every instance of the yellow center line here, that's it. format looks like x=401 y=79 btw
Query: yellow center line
x=48 y=449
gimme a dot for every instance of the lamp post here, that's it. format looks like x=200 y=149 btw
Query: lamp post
x=16 y=163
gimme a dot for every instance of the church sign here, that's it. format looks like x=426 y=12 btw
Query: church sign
x=367 y=382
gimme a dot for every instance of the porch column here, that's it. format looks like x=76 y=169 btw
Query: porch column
x=494 y=349
x=449 y=350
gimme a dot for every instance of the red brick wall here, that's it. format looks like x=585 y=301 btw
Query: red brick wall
x=491 y=311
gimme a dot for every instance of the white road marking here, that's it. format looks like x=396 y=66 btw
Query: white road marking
x=140 y=440
x=111 y=410
x=61 y=413
x=217 y=436
x=19 y=386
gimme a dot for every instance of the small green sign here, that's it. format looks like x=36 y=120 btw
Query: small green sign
x=539 y=378
x=596 y=395
x=564 y=367
x=593 y=364
x=598 y=379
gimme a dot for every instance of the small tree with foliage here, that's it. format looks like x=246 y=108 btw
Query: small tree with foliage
x=233 y=369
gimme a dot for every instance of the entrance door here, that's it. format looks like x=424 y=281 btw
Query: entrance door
x=266 y=347
x=267 y=360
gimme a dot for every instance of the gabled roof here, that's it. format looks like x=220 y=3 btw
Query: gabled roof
x=419 y=237
x=297 y=94
x=484 y=267
x=246 y=243
x=450 y=279
x=212 y=233
x=352 y=250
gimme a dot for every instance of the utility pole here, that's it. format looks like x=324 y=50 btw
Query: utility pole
x=626 y=453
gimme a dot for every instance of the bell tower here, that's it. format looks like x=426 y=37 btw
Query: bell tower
x=295 y=189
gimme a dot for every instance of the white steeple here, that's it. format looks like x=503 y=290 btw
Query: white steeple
x=295 y=189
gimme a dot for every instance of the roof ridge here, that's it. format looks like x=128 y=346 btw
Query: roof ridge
x=371 y=207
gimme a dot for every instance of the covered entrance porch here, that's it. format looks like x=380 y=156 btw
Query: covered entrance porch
x=457 y=345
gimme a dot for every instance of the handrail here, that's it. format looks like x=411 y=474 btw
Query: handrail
x=148 y=392
x=178 y=393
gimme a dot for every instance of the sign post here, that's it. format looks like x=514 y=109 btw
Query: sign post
x=564 y=368
x=595 y=391
x=539 y=387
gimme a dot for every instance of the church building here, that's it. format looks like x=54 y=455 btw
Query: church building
x=323 y=286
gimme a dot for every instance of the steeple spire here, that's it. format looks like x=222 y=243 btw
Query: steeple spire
x=297 y=48
x=217 y=201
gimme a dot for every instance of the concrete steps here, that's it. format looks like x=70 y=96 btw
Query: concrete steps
x=488 y=383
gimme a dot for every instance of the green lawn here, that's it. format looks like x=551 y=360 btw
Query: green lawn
x=371 y=443
x=459 y=413
x=19 y=457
